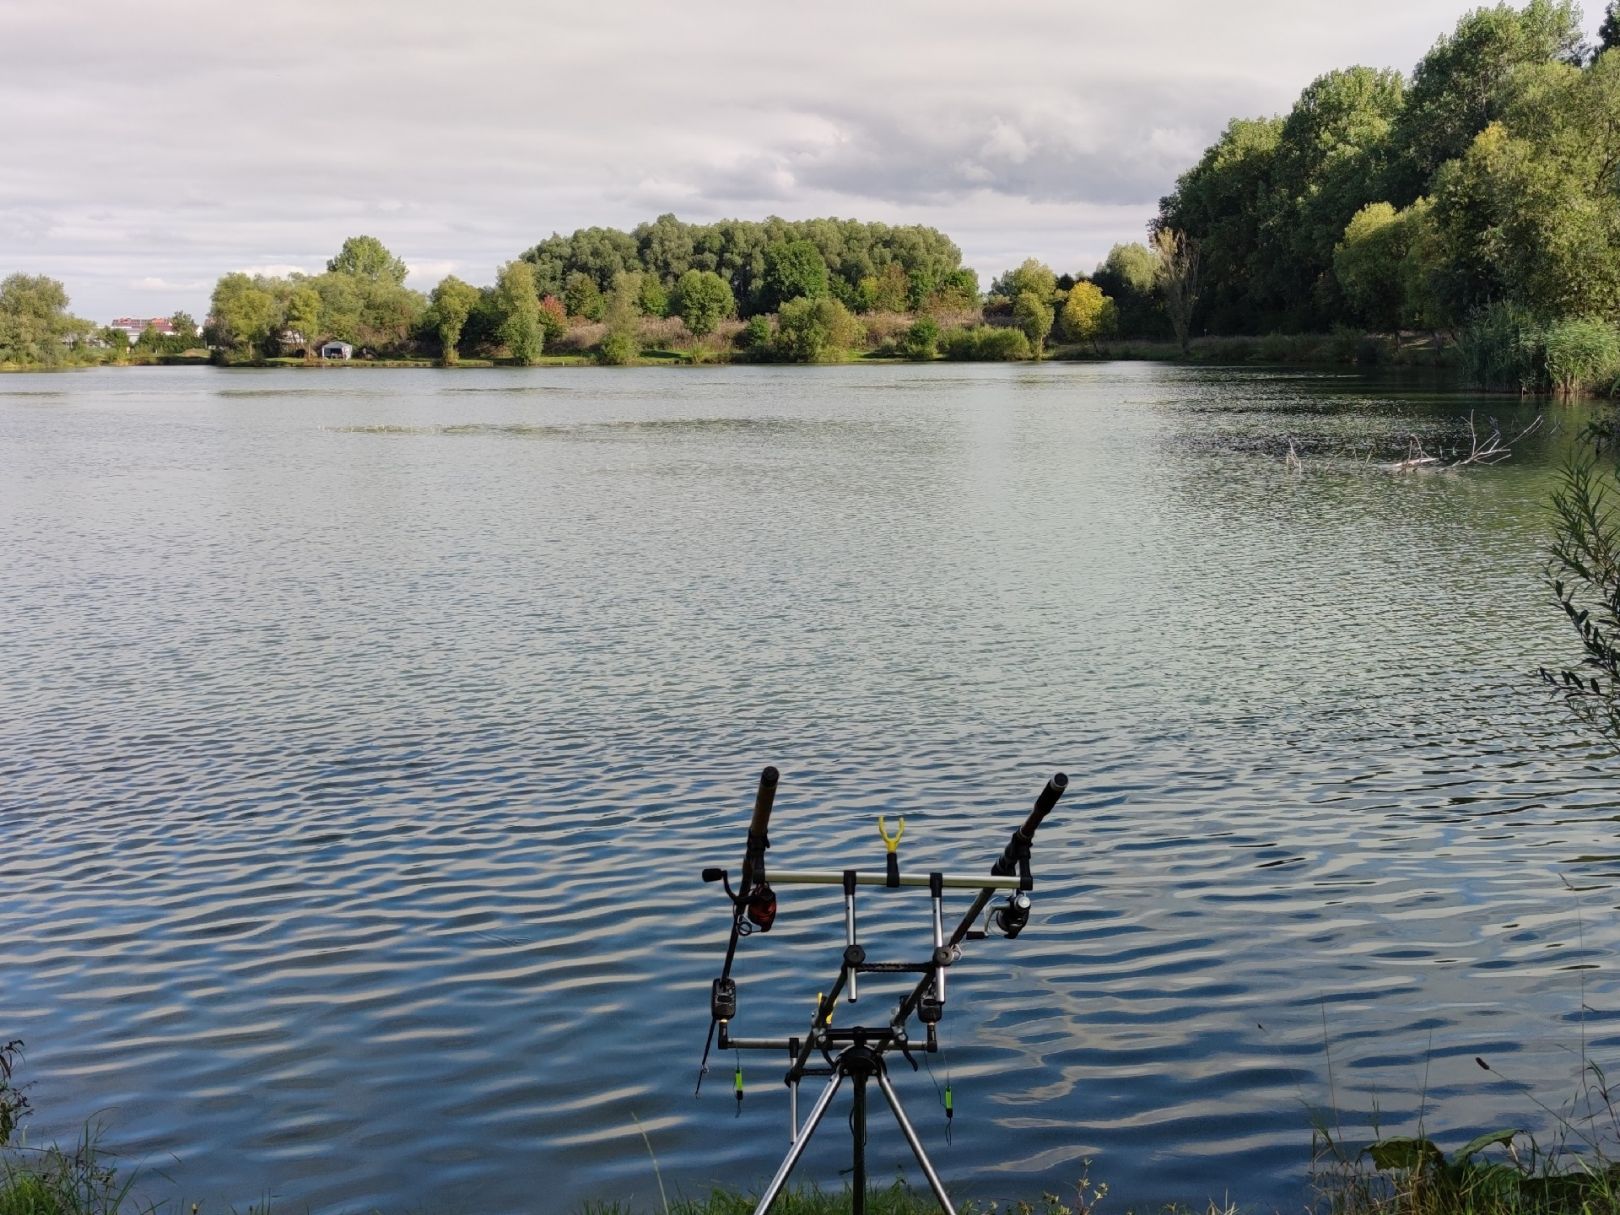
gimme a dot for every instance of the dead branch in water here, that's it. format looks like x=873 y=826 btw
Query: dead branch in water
x=1491 y=451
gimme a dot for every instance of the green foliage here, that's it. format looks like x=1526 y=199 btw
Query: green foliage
x=1129 y=276
x=1583 y=574
x=1503 y=347
x=304 y=316
x=654 y=299
x=793 y=270
x=583 y=297
x=366 y=257
x=756 y=335
x=1369 y=264
x=1462 y=85
x=243 y=313
x=1032 y=277
x=921 y=341
x=1609 y=31
x=1582 y=353
x=1088 y=314
x=620 y=347
x=887 y=291
x=737 y=250
x=1033 y=314
x=452 y=303
x=36 y=328
x=702 y=300
x=13 y=1096
x=814 y=330
x=988 y=344
x=519 y=310
x=1495 y=175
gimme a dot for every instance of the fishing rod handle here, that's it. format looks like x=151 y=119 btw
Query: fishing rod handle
x=1044 y=803
x=763 y=801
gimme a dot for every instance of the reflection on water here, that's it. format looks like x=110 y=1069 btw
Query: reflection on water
x=357 y=764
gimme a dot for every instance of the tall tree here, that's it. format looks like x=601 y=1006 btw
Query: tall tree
x=520 y=312
x=452 y=302
x=794 y=269
x=1609 y=31
x=1178 y=280
x=304 y=317
x=1033 y=314
x=243 y=313
x=1461 y=85
x=367 y=257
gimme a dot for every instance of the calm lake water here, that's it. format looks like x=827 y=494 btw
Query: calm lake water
x=362 y=736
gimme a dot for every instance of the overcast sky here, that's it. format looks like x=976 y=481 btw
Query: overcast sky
x=149 y=148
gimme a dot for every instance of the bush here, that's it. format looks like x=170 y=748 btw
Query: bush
x=618 y=350
x=921 y=341
x=1582 y=355
x=814 y=330
x=1504 y=346
x=988 y=344
x=756 y=334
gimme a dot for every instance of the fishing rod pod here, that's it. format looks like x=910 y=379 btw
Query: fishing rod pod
x=861 y=1048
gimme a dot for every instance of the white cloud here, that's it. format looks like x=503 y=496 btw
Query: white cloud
x=464 y=135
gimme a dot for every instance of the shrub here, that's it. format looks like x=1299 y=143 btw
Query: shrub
x=618 y=350
x=1504 y=346
x=756 y=334
x=921 y=341
x=1582 y=354
x=884 y=327
x=814 y=330
x=988 y=344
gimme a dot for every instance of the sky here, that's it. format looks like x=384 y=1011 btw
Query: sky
x=149 y=148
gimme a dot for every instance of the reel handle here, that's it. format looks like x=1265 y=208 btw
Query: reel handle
x=1044 y=803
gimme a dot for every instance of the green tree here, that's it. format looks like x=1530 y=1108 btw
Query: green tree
x=243 y=314
x=1034 y=277
x=702 y=300
x=621 y=346
x=1609 y=31
x=35 y=325
x=452 y=303
x=1088 y=314
x=793 y=269
x=1033 y=314
x=654 y=298
x=921 y=341
x=815 y=330
x=1368 y=262
x=519 y=309
x=583 y=297
x=304 y=317
x=1129 y=276
x=366 y=257
x=1461 y=86
x=185 y=331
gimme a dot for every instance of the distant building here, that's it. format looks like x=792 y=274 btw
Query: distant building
x=134 y=326
x=337 y=350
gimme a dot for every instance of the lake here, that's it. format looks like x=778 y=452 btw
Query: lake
x=363 y=736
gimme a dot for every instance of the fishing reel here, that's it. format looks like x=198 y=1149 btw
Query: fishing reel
x=1010 y=917
x=757 y=904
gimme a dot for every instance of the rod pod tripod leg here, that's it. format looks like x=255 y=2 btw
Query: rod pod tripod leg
x=860 y=1064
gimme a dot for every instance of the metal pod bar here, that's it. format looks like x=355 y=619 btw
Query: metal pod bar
x=862 y=1048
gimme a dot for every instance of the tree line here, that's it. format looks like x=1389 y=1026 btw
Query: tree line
x=1478 y=197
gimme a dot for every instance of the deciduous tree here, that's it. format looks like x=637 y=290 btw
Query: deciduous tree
x=520 y=312
x=702 y=300
x=1178 y=281
x=367 y=257
x=1088 y=314
x=452 y=303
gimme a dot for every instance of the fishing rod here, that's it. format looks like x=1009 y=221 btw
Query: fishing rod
x=754 y=904
x=861 y=1048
